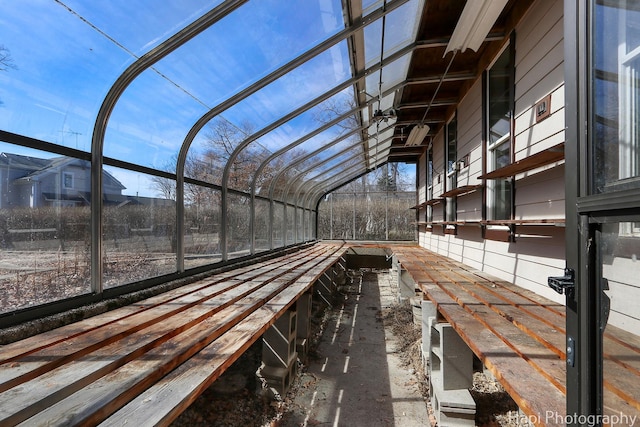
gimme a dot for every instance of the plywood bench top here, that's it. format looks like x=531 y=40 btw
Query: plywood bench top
x=519 y=335
x=143 y=364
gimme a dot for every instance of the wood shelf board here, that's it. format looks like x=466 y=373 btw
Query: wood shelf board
x=551 y=221
x=543 y=158
x=460 y=191
x=430 y=202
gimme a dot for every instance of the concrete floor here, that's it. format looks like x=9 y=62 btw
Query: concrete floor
x=356 y=378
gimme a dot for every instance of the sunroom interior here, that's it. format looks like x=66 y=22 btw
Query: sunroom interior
x=146 y=143
x=214 y=131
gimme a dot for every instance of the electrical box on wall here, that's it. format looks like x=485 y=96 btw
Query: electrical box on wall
x=543 y=108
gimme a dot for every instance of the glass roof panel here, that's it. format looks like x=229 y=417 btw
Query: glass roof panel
x=138 y=25
x=245 y=46
x=150 y=121
x=305 y=154
x=294 y=129
x=320 y=162
x=368 y=5
x=249 y=43
x=402 y=26
x=400 y=29
x=59 y=73
x=62 y=72
x=336 y=179
x=342 y=162
x=293 y=90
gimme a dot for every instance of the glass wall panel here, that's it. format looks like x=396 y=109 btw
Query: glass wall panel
x=201 y=226
x=374 y=207
x=278 y=225
x=138 y=227
x=55 y=77
x=619 y=253
x=616 y=86
x=150 y=121
x=44 y=227
x=238 y=239
x=262 y=226
x=300 y=225
x=307 y=222
x=312 y=225
x=290 y=212
x=338 y=209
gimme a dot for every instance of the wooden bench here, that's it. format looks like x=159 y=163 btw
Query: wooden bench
x=145 y=363
x=518 y=335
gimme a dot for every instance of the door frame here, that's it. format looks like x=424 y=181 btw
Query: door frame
x=579 y=382
x=585 y=212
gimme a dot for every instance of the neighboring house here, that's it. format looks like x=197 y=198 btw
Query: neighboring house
x=59 y=181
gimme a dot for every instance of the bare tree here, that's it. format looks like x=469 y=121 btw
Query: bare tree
x=6 y=61
x=223 y=137
x=332 y=108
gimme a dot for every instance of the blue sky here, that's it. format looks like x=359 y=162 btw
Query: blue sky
x=68 y=53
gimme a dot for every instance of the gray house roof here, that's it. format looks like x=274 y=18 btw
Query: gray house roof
x=37 y=168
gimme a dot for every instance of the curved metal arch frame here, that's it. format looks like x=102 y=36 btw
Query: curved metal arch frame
x=307 y=199
x=296 y=192
x=305 y=203
x=318 y=193
x=334 y=91
x=351 y=178
x=234 y=99
x=295 y=198
x=108 y=104
x=386 y=93
x=280 y=152
x=299 y=188
x=163 y=50
x=297 y=205
x=315 y=165
x=292 y=165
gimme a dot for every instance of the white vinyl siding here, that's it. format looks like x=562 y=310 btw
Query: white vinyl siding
x=538 y=251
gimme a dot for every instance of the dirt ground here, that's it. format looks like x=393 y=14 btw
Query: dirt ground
x=364 y=369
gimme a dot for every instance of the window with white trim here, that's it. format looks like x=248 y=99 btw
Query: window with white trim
x=67 y=180
x=429 y=215
x=498 y=113
x=451 y=141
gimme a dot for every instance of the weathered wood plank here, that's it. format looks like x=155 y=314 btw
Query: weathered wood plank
x=91 y=386
x=163 y=402
x=450 y=282
x=29 y=345
x=545 y=361
x=532 y=391
x=165 y=340
x=67 y=348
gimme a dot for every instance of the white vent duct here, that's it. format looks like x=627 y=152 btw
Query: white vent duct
x=417 y=135
x=474 y=24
